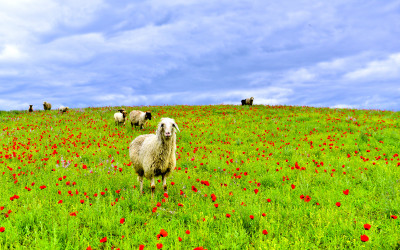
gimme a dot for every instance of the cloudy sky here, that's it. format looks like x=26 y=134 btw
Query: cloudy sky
x=339 y=53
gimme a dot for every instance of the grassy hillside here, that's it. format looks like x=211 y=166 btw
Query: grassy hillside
x=247 y=178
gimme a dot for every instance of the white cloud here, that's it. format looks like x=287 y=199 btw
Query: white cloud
x=11 y=53
x=378 y=70
x=344 y=106
x=299 y=76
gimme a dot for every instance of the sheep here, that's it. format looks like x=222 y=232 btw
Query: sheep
x=120 y=117
x=138 y=118
x=248 y=101
x=46 y=106
x=30 y=108
x=154 y=154
x=63 y=109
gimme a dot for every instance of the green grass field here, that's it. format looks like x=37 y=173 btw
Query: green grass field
x=247 y=177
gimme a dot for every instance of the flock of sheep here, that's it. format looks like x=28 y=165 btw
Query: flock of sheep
x=47 y=106
x=152 y=155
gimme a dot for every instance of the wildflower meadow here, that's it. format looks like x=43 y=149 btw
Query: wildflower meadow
x=246 y=177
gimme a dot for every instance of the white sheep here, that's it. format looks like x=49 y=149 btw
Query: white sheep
x=154 y=154
x=120 y=117
x=63 y=109
x=46 y=106
x=139 y=118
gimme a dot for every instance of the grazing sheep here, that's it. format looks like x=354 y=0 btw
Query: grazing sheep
x=243 y=102
x=138 y=118
x=154 y=154
x=46 y=106
x=120 y=117
x=30 y=108
x=63 y=109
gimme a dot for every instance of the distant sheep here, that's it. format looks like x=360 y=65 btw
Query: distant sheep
x=248 y=101
x=30 y=108
x=63 y=109
x=46 y=106
x=153 y=155
x=139 y=118
x=120 y=117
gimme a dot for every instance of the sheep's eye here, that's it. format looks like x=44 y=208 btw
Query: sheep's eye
x=162 y=125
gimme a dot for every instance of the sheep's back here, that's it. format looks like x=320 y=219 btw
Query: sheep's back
x=118 y=117
x=134 y=116
x=138 y=151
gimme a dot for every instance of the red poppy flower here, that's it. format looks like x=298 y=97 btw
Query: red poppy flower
x=338 y=204
x=180 y=204
x=255 y=191
x=187 y=232
x=228 y=215
x=293 y=186
x=2 y=229
x=264 y=215
x=165 y=195
x=122 y=220
x=265 y=232
x=364 y=238
x=141 y=247
x=89 y=248
x=159 y=246
x=268 y=200
x=82 y=201
x=393 y=216
x=215 y=205
x=179 y=238
x=301 y=196
x=307 y=199
x=367 y=226
x=252 y=217
x=163 y=233
x=158 y=204
x=103 y=240
x=346 y=192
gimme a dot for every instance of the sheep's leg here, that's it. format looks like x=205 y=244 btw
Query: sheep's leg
x=140 y=178
x=153 y=187
x=164 y=182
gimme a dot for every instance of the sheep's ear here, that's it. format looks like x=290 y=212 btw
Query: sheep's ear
x=176 y=126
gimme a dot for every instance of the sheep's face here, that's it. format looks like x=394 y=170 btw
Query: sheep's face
x=148 y=116
x=167 y=127
x=252 y=98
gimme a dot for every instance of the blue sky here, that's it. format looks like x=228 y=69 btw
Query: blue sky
x=339 y=54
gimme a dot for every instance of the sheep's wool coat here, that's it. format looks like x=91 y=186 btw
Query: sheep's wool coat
x=249 y=101
x=153 y=155
x=63 y=109
x=137 y=118
x=119 y=117
x=46 y=106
